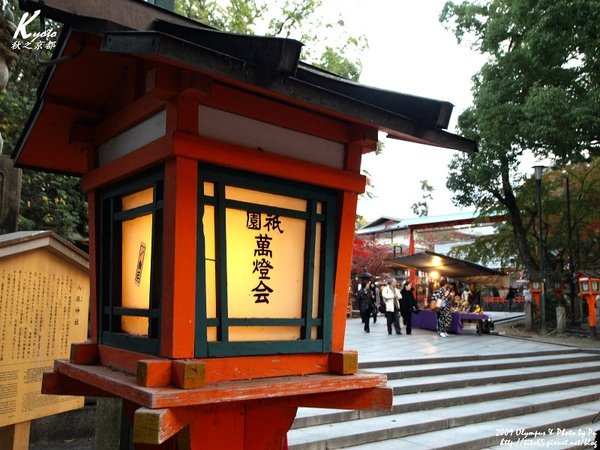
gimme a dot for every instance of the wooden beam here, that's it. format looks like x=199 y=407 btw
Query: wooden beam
x=252 y=160
x=347 y=217
x=375 y=399
x=54 y=383
x=343 y=363
x=189 y=374
x=15 y=437
x=84 y=353
x=154 y=372
x=128 y=116
x=155 y=426
x=179 y=258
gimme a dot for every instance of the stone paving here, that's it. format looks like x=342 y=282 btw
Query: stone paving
x=379 y=346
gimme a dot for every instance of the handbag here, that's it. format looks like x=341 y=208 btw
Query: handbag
x=382 y=307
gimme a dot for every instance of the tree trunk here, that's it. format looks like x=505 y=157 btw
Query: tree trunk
x=520 y=232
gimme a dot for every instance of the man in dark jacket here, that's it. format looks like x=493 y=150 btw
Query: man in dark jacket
x=408 y=304
x=366 y=299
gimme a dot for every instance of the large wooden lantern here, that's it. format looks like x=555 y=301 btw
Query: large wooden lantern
x=589 y=288
x=223 y=176
x=536 y=293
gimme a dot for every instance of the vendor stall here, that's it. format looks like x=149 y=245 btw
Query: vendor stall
x=444 y=265
x=427 y=320
x=436 y=266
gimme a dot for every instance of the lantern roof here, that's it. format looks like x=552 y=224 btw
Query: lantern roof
x=88 y=66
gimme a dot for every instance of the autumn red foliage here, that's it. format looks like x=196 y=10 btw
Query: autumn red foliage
x=368 y=256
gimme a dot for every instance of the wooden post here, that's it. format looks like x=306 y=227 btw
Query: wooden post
x=10 y=185
x=15 y=437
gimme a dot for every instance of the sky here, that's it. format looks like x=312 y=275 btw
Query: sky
x=411 y=52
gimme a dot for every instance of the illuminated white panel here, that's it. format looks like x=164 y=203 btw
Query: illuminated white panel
x=208 y=226
x=241 y=334
x=137 y=246
x=234 y=129
x=284 y=278
x=136 y=257
x=209 y=189
x=263 y=198
x=143 y=133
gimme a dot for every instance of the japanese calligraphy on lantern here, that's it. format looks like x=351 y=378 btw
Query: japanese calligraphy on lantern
x=265 y=264
x=43 y=309
x=263 y=253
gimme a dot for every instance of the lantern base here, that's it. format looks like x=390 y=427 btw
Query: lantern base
x=248 y=414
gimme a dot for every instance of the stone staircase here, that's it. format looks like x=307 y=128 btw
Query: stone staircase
x=546 y=399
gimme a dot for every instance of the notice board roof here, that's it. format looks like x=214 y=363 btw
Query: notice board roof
x=25 y=241
x=78 y=87
x=445 y=265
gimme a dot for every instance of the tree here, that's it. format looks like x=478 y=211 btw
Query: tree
x=537 y=92
x=582 y=218
x=422 y=208
x=368 y=256
x=48 y=201
x=53 y=202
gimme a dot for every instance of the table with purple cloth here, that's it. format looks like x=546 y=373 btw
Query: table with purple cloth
x=428 y=320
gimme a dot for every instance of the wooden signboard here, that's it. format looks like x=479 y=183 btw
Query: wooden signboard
x=44 y=295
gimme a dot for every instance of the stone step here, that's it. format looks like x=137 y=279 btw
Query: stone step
x=435 y=399
x=418 y=428
x=466 y=358
x=491 y=434
x=582 y=436
x=403 y=371
x=459 y=380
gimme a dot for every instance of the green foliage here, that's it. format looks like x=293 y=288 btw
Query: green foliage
x=542 y=81
x=537 y=92
x=18 y=98
x=489 y=249
x=584 y=221
x=48 y=201
x=53 y=202
x=421 y=208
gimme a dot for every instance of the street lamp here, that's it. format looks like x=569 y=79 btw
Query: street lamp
x=538 y=182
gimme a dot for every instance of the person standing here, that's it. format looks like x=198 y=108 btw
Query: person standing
x=510 y=297
x=374 y=300
x=407 y=305
x=365 y=294
x=443 y=303
x=391 y=296
x=527 y=294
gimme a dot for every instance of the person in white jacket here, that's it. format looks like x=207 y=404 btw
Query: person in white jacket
x=391 y=296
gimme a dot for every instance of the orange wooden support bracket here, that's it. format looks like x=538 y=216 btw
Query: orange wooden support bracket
x=54 y=383
x=155 y=426
x=343 y=363
x=84 y=353
x=374 y=399
x=189 y=374
x=154 y=372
